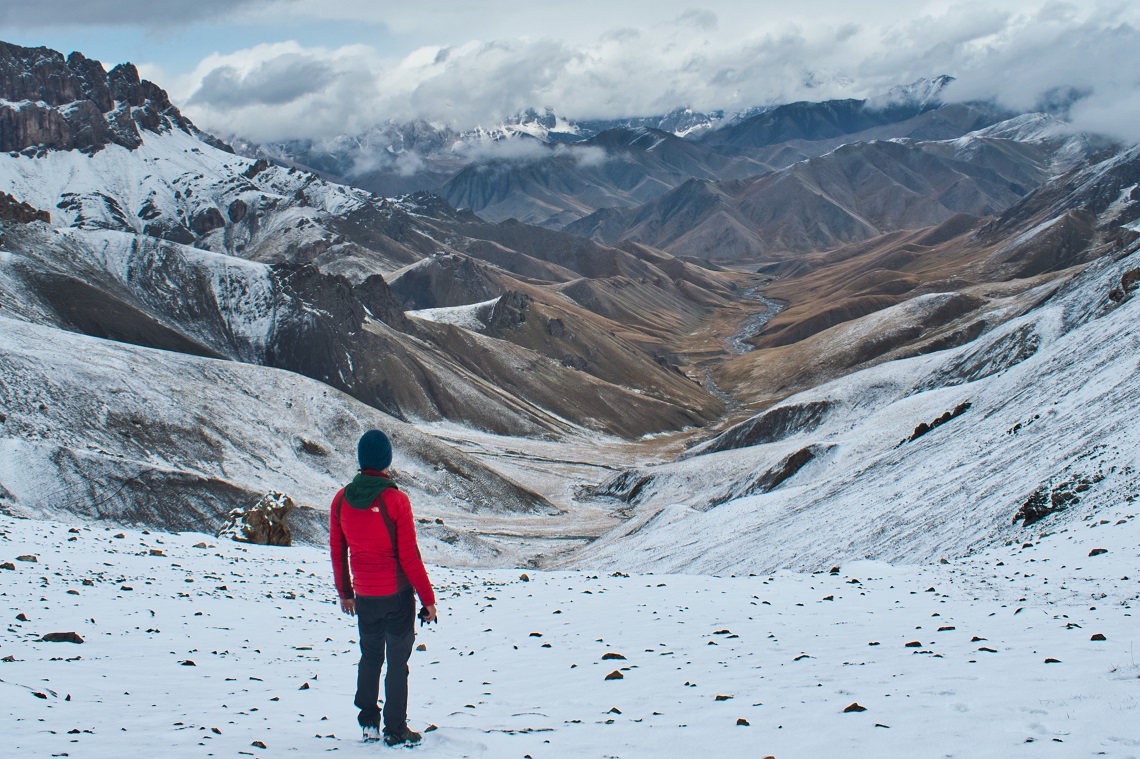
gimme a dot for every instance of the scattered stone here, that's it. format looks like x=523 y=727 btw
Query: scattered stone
x=1098 y=551
x=8 y=565
x=125 y=587
x=854 y=707
x=304 y=686
x=1098 y=636
x=64 y=637
x=615 y=675
x=119 y=536
x=431 y=728
x=742 y=722
x=188 y=663
x=258 y=744
x=946 y=628
x=914 y=644
x=536 y=635
x=524 y=577
x=611 y=655
x=9 y=658
x=157 y=552
x=201 y=545
x=28 y=557
x=37 y=694
x=988 y=650
x=614 y=710
x=723 y=698
x=22 y=617
x=1052 y=661
x=422 y=647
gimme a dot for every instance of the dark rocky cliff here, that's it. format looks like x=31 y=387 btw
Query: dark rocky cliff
x=56 y=103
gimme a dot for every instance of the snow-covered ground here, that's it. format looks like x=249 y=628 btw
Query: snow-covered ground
x=517 y=668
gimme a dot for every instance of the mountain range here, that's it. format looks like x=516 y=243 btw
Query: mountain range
x=751 y=316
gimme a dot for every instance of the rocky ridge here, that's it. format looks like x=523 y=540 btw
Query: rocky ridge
x=54 y=103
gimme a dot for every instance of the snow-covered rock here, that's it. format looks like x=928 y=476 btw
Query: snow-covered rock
x=264 y=523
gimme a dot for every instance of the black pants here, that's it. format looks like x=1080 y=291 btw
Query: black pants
x=386 y=625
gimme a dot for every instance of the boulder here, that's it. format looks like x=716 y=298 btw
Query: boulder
x=265 y=523
x=62 y=637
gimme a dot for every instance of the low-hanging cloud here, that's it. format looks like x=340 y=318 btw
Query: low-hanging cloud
x=526 y=150
x=702 y=60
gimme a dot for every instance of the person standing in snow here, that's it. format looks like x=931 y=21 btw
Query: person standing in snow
x=376 y=565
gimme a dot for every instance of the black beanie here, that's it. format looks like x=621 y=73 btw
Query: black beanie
x=374 y=451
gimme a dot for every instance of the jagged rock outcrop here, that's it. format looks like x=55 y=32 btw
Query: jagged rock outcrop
x=265 y=523
x=772 y=425
x=72 y=103
x=24 y=213
x=510 y=311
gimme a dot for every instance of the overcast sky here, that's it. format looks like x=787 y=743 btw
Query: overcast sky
x=275 y=69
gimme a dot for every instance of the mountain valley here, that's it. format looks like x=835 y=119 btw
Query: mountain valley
x=558 y=389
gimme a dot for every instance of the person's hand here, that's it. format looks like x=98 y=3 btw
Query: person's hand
x=428 y=615
x=348 y=606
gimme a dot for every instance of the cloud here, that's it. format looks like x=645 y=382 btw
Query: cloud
x=1014 y=52
x=525 y=149
x=283 y=91
x=1083 y=60
x=133 y=13
x=277 y=81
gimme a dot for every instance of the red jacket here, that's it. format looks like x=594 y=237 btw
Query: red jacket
x=362 y=558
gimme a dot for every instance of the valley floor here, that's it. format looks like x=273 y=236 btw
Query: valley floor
x=516 y=666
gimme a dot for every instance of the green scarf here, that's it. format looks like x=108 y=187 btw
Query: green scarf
x=364 y=488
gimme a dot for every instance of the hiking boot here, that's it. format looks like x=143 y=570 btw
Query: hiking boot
x=401 y=737
x=371 y=733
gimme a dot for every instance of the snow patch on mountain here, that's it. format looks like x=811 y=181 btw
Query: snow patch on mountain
x=472 y=317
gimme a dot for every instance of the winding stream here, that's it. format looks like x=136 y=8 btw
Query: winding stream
x=737 y=342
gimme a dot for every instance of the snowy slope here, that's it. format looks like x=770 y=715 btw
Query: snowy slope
x=141 y=436
x=985 y=657
x=179 y=188
x=1050 y=397
x=472 y=317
